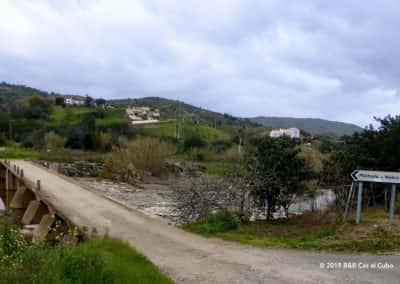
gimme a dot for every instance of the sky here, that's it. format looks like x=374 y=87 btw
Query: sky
x=336 y=60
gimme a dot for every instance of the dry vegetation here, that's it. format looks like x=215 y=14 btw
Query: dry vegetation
x=143 y=155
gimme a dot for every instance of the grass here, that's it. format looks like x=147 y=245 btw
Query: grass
x=94 y=261
x=215 y=168
x=128 y=265
x=167 y=129
x=74 y=115
x=310 y=231
x=19 y=153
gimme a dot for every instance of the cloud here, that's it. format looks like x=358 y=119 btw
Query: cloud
x=330 y=59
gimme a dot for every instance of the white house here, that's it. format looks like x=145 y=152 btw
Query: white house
x=74 y=100
x=290 y=132
x=143 y=115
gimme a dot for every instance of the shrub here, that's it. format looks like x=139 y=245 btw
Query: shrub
x=194 y=141
x=54 y=141
x=83 y=265
x=231 y=155
x=143 y=154
x=219 y=222
x=89 y=140
x=220 y=145
x=3 y=139
x=104 y=141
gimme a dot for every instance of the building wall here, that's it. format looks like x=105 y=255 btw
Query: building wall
x=291 y=132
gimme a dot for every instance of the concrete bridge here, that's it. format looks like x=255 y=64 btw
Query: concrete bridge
x=32 y=207
x=54 y=205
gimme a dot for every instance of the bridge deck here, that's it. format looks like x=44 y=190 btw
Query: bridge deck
x=192 y=259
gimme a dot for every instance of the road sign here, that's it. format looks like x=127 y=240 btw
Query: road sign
x=376 y=176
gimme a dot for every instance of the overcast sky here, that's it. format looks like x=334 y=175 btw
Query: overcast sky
x=337 y=60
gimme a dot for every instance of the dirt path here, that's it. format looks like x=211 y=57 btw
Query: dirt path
x=188 y=258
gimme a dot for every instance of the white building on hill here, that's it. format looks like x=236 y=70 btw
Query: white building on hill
x=290 y=132
x=143 y=115
x=74 y=100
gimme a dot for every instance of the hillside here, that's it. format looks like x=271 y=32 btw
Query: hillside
x=10 y=93
x=170 y=108
x=310 y=125
x=189 y=113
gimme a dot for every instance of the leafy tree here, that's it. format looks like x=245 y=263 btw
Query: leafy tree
x=277 y=173
x=60 y=101
x=88 y=101
x=373 y=148
x=34 y=107
x=100 y=102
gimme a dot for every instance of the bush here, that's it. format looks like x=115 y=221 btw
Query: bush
x=3 y=139
x=194 y=141
x=219 y=222
x=83 y=265
x=220 y=145
x=143 y=154
x=54 y=141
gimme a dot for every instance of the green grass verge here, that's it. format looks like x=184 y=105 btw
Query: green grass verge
x=95 y=261
x=127 y=265
x=311 y=232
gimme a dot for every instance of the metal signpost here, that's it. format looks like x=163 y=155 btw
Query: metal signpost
x=361 y=176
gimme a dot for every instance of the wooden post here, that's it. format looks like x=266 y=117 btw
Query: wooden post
x=392 y=204
x=359 y=202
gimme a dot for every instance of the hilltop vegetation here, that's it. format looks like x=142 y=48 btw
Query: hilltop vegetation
x=171 y=108
x=310 y=125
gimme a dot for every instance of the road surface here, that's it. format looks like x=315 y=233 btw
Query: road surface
x=188 y=258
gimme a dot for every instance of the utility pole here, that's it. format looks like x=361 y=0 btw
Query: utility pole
x=177 y=125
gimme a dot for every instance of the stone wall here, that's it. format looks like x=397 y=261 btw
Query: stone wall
x=75 y=169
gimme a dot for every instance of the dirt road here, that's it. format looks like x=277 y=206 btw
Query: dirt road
x=188 y=258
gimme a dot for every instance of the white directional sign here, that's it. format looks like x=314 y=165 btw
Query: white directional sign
x=376 y=176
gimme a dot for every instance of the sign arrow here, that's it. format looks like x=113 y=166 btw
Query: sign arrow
x=376 y=176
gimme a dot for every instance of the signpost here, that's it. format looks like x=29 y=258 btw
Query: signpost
x=361 y=176
x=375 y=176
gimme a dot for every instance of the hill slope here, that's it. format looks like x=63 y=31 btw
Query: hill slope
x=311 y=125
x=170 y=108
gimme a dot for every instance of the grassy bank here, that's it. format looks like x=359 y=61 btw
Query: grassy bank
x=310 y=231
x=19 y=153
x=95 y=261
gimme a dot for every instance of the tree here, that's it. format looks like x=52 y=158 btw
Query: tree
x=373 y=148
x=88 y=101
x=277 y=173
x=33 y=107
x=100 y=102
x=60 y=101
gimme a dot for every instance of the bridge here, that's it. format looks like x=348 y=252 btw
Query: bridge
x=52 y=205
x=32 y=206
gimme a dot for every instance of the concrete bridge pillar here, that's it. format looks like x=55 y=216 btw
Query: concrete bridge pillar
x=21 y=199
x=11 y=187
x=44 y=228
x=3 y=183
x=34 y=212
